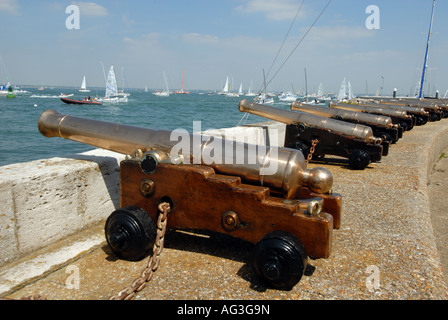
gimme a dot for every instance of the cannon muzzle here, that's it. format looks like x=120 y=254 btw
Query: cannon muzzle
x=290 y=117
x=282 y=169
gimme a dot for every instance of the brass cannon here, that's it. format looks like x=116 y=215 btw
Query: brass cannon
x=326 y=136
x=382 y=126
x=421 y=115
x=401 y=117
x=260 y=194
x=435 y=108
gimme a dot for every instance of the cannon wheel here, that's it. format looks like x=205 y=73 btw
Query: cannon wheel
x=129 y=233
x=404 y=125
x=280 y=260
x=359 y=159
x=303 y=147
x=421 y=121
x=386 y=137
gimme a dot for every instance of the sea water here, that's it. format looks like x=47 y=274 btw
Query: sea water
x=21 y=141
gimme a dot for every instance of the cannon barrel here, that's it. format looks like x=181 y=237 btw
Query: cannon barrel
x=422 y=115
x=424 y=103
x=290 y=174
x=385 y=110
x=436 y=111
x=365 y=118
x=395 y=106
x=290 y=117
x=401 y=117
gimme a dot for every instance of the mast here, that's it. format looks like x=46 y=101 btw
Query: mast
x=182 y=79
x=425 y=65
x=306 y=87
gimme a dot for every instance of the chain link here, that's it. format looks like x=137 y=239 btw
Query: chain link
x=312 y=150
x=154 y=261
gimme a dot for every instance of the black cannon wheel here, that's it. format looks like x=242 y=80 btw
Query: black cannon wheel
x=421 y=121
x=359 y=159
x=386 y=137
x=280 y=260
x=303 y=147
x=130 y=232
x=404 y=125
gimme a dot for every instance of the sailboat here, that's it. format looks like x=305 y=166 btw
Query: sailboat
x=226 y=88
x=182 y=85
x=112 y=94
x=235 y=94
x=84 y=85
x=321 y=100
x=345 y=92
x=161 y=93
x=249 y=92
x=264 y=98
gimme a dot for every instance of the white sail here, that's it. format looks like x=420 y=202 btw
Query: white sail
x=84 y=85
x=249 y=92
x=350 y=94
x=240 y=91
x=112 y=93
x=226 y=88
x=346 y=92
x=343 y=90
x=111 y=84
x=320 y=91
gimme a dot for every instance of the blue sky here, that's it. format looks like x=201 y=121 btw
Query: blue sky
x=213 y=39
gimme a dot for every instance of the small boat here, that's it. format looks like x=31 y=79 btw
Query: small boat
x=10 y=93
x=264 y=99
x=63 y=95
x=288 y=97
x=80 y=102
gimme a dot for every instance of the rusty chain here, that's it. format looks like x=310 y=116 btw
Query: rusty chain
x=312 y=150
x=154 y=261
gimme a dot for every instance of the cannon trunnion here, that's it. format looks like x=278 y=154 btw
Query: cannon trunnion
x=289 y=216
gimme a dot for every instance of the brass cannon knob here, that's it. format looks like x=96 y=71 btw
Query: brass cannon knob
x=230 y=221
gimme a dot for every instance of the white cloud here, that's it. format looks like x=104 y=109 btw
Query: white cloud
x=91 y=9
x=10 y=6
x=144 y=40
x=200 y=38
x=274 y=10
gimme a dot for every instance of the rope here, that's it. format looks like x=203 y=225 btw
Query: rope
x=301 y=40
